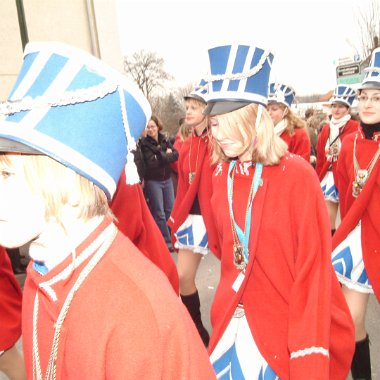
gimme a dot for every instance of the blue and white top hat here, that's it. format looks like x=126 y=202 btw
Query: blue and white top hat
x=239 y=76
x=281 y=93
x=372 y=72
x=199 y=92
x=71 y=106
x=343 y=94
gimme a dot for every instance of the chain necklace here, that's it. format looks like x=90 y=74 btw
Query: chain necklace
x=362 y=175
x=240 y=237
x=192 y=173
x=110 y=234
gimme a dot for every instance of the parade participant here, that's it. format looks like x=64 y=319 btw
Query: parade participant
x=191 y=222
x=287 y=124
x=329 y=143
x=11 y=361
x=93 y=306
x=356 y=241
x=278 y=311
x=135 y=220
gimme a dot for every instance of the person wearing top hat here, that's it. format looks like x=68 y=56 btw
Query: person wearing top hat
x=356 y=242
x=287 y=124
x=278 y=311
x=93 y=306
x=11 y=361
x=329 y=144
x=191 y=222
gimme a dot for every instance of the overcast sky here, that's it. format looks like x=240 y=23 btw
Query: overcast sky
x=307 y=37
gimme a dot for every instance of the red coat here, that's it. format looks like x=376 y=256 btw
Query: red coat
x=299 y=143
x=200 y=163
x=124 y=322
x=366 y=207
x=10 y=304
x=322 y=164
x=290 y=293
x=136 y=221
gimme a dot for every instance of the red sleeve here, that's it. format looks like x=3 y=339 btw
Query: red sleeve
x=137 y=223
x=10 y=304
x=321 y=154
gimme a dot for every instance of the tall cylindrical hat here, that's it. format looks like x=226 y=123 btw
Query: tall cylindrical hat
x=281 y=93
x=239 y=75
x=74 y=108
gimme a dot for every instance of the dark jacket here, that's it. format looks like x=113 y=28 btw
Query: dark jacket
x=157 y=161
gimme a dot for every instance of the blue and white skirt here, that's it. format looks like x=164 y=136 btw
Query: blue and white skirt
x=347 y=259
x=192 y=235
x=236 y=356
x=329 y=189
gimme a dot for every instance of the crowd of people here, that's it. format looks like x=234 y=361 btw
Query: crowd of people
x=117 y=217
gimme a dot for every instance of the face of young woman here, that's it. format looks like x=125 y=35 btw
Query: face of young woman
x=231 y=147
x=339 y=110
x=369 y=106
x=152 y=129
x=194 y=113
x=22 y=213
x=276 y=112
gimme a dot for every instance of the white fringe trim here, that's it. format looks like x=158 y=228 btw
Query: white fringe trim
x=309 y=351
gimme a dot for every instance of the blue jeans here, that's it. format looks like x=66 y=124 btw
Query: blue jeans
x=160 y=198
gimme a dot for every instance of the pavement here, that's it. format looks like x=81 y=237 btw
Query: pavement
x=207 y=281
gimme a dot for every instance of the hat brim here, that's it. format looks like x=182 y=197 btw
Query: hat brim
x=13 y=146
x=369 y=85
x=196 y=97
x=218 y=108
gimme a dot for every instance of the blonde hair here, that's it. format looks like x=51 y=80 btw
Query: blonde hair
x=240 y=125
x=293 y=120
x=56 y=183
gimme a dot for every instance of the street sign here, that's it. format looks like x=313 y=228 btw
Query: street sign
x=349 y=73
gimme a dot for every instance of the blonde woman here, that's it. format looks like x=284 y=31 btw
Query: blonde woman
x=287 y=124
x=94 y=307
x=278 y=310
x=191 y=221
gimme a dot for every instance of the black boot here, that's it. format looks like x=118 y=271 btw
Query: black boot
x=193 y=304
x=361 y=362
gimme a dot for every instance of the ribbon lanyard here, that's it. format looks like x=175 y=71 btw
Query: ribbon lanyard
x=243 y=236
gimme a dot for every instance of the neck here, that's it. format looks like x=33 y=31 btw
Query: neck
x=370 y=129
x=59 y=240
x=199 y=128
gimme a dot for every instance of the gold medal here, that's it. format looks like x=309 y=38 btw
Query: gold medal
x=239 y=257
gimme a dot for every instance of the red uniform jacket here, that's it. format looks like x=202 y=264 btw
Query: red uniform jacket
x=10 y=304
x=366 y=207
x=299 y=143
x=199 y=163
x=136 y=221
x=124 y=322
x=322 y=164
x=290 y=293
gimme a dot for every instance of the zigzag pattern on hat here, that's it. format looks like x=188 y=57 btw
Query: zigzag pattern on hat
x=74 y=108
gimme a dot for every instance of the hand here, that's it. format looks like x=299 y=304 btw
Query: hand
x=168 y=151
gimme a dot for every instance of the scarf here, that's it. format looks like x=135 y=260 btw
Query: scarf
x=333 y=143
x=280 y=127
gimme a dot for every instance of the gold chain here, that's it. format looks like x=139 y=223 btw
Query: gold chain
x=192 y=174
x=362 y=175
x=237 y=247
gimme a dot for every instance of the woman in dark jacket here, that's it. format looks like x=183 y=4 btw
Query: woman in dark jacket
x=158 y=153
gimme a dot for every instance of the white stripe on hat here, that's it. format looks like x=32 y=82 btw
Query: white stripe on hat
x=230 y=66
x=58 y=85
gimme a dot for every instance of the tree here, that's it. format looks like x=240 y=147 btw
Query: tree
x=147 y=70
x=369 y=27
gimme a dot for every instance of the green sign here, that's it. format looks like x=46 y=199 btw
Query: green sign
x=349 y=74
